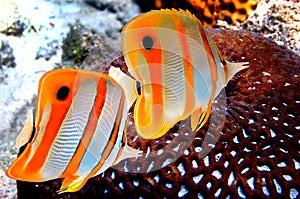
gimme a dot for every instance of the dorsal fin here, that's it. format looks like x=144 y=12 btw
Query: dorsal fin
x=182 y=13
x=127 y=83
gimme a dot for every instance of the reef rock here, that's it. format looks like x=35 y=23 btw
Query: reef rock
x=256 y=150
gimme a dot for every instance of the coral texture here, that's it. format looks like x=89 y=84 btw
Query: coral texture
x=255 y=155
x=208 y=11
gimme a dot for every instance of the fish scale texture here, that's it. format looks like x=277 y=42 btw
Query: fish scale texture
x=257 y=149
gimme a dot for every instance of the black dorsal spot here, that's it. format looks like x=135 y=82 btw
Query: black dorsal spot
x=148 y=43
x=62 y=93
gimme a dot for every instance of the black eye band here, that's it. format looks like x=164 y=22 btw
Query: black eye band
x=62 y=93
x=148 y=43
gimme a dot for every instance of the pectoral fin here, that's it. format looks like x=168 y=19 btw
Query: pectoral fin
x=199 y=117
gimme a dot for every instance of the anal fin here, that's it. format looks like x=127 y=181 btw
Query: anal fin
x=126 y=152
x=72 y=184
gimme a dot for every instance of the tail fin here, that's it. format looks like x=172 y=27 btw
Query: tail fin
x=128 y=152
x=234 y=68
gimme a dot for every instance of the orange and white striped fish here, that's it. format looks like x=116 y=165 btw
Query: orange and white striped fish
x=80 y=128
x=178 y=66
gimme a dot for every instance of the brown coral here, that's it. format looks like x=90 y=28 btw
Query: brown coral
x=208 y=11
x=256 y=155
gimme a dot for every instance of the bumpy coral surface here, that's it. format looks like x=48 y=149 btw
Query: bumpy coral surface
x=208 y=11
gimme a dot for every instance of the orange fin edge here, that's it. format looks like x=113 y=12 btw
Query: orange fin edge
x=72 y=184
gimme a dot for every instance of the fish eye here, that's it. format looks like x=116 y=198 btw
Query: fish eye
x=138 y=86
x=148 y=43
x=62 y=93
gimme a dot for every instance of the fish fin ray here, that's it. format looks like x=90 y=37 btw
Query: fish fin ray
x=234 y=68
x=72 y=184
x=127 y=83
x=199 y=118
x=25 y=134
x=128 y=152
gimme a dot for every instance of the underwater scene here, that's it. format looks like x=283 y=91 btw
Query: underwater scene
x=150 y=99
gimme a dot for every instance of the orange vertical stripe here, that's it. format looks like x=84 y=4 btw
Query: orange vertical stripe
x=213 y=70
x=113 y=138
x=56 y=116
x=211 y=59
x=89 y=130
x=154 y=60
x=188 y=68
